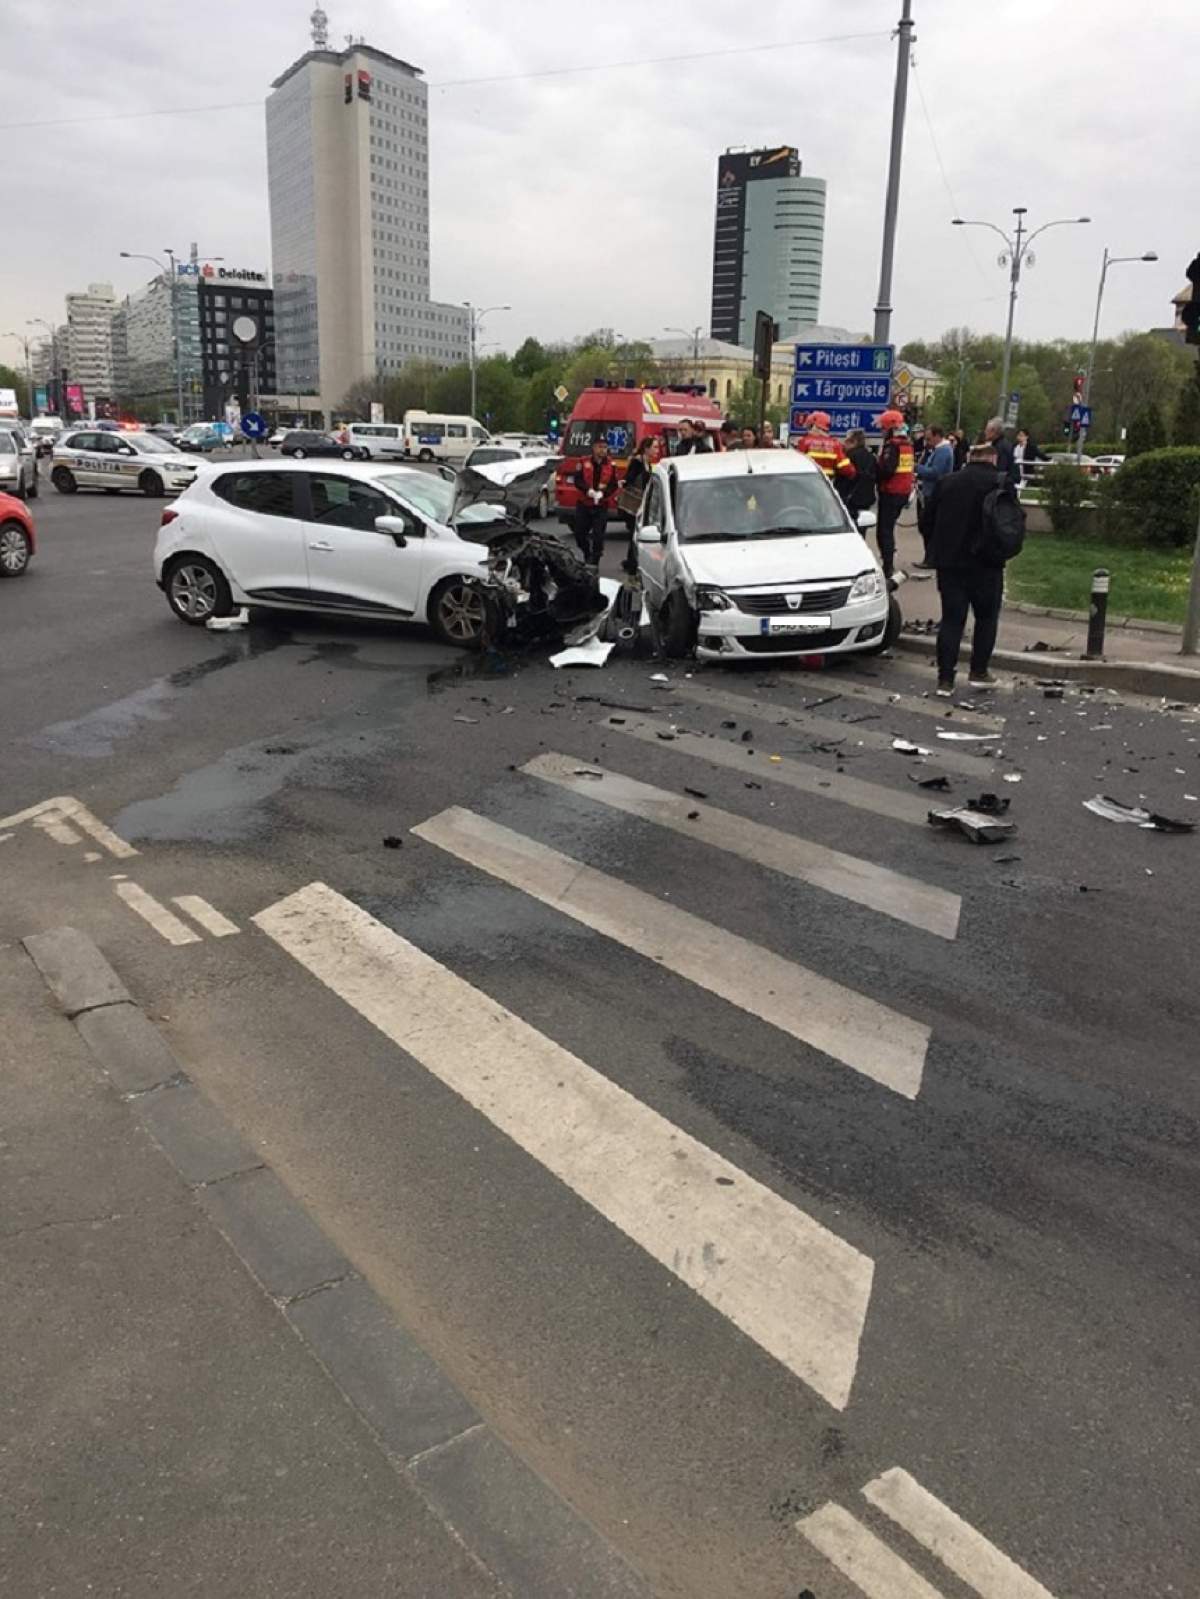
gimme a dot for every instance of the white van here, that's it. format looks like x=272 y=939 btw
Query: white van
x=45 y=432
x=432 y=436
x=381 y=440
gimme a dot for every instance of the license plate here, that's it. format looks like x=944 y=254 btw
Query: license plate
x=785 y=624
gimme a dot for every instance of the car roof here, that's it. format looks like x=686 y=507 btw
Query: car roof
x=362 y=469
x=735 y=463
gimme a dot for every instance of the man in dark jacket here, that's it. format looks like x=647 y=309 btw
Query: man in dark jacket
x=1006 y=465
x=595 y=482
x=965 y=582
x=859 y=492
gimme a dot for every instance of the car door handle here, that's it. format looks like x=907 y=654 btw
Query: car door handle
x=320 y=544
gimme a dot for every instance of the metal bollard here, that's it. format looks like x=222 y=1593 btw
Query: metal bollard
x=1097 y=615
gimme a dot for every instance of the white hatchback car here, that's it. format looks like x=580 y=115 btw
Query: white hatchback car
x=345 y=538
x=751 y=553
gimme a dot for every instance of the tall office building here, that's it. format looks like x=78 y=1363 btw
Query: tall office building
x=151 y=321
x=348 y=180
x=88 y=355
x=768 y=243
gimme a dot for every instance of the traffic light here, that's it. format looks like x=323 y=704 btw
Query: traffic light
x=553 y=424
x=1189 y=313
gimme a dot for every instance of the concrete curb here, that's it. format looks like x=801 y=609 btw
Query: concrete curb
x=512 y=1523
x=1133 y=623
x=1152 y=678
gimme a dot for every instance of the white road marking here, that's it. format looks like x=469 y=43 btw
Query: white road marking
x=965 y=1552
x=65 y=807
x=862 y=1557
x=162 y=920
x=206 y=915
x=58 y=831
x=90 y=855
x=858 y=1031
x=800 y=775
x=819 y=727
x=795 y=1288
x=907 y=899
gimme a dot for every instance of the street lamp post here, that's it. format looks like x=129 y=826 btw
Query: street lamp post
x=694 y=335
x=891 y=205
x=1016 y=256
x=137 y=255
x=40 y=322
x=1109 y=260
x=26 y=343
x=476 y=315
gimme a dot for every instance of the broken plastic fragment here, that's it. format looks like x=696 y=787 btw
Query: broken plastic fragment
x=228 y=624
x=659 y=677
x=905 y=746
x=1114 y=811
x=593 y=653
x=1011 y=777
x=979 y=827
x=929 y=782
x=966 y=738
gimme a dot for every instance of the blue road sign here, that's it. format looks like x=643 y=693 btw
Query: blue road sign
x=254 y=425
x=854 y=391
x=1082 y=414
x=841 y=418
x=848 y=359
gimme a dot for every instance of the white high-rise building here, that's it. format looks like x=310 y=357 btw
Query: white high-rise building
x=768 y=243
x=88 y=354
x=348 y=179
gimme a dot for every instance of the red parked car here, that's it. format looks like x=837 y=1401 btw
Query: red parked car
x=17 y=541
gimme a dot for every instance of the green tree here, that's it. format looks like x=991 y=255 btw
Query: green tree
x=452 y=390
x=10 y=379
x=1187 y=410
x=530 y=358
x=1146 y=431
x=498 y=405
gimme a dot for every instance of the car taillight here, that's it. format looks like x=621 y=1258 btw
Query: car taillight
x=167 y=517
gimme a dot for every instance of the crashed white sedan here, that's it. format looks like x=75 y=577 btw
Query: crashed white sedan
x=752 y=553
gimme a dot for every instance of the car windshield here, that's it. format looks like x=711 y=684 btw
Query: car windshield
x=147 y=444
x=757 y=505
x=425 y=492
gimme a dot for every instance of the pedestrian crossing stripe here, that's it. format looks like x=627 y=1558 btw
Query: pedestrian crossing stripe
x=799 y=1291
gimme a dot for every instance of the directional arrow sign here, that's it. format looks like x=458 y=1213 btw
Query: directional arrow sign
x=841 y=418
x=825 y=391
x=863 y=359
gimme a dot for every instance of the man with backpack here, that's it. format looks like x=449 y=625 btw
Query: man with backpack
x=977 y=525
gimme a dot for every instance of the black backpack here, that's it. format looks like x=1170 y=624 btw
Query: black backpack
x=1003 y=534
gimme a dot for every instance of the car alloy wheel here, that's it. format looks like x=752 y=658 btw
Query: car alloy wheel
x=349 y=455
x=151 y=485
x=299 y=454
x=462 y=613
x=63 y=480
x=192 y=590
x=14 y=549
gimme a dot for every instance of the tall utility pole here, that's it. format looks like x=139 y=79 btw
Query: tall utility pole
x=1109 y=260
x=891 y=205
x=476 y=315
x=1015 y=256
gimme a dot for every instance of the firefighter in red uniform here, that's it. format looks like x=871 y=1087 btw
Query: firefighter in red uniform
x=817 y=442
x=897 y=474
x=596 y=484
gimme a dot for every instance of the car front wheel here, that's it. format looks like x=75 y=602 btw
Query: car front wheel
x=678 y=626
x=15 y=549
x=151 y=485
x=425 y=455
x=34 y=486
x=63 y=480
x=891 y=629
x=196 y=590
x=298 y=454
x=349 y=455
x=461 y=613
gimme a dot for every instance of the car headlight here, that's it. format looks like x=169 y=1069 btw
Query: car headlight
x=868 y=586
x=710 y=599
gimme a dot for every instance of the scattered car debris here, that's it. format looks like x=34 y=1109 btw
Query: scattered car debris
x=391 y=841
x=991 y=804
x=1052 y=693
x=616 y=705
x=747 y=736
x=814 y=705
x=587 y=771
x=228 y=624
x=659 y=677
x=692 y=815
x=1040 y=647
x=1011 y=777
x=696 y=793
x=729 y=724
x=978 y=826
x=966 y=738
x=1006 y=860
x=920 y=627
x=1114 y=811
x=593 y=653
x=905 y=746
x=753 y=785
x=940 y=781
x=472 y=721
x=666 y=737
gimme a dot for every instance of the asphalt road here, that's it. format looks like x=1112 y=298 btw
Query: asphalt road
x=730 y=1175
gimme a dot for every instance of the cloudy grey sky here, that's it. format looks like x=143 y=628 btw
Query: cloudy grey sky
x=587 y=199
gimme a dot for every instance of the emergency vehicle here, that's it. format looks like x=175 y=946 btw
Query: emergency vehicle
x=625 y=415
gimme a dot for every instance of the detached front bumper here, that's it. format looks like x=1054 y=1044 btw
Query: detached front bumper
x=732 y=634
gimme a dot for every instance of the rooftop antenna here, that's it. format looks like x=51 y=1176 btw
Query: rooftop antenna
x=320 y=29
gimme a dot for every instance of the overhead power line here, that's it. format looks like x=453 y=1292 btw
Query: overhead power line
x=463 y=83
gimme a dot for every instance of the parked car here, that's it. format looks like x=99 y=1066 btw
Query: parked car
x=114 y=461
x=1107 y=464
x=201 y=437
x=302 y=442
x=350 y=539
x=17 y=540
x=748 y=553
x=18 y=462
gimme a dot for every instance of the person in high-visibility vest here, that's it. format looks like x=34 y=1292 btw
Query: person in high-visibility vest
x=897 y=474
x=817 y=441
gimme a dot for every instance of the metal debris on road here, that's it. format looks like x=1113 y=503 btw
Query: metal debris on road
x=587 y=771
x=905 y=746
x=391 y=841
x=978 y=826
x=593 y=653
x=472 y=721
x=228 y=624
x=1114 y=811
x=1011 y=777
x=696 y=793
x=941 y=782
x=966 y=738
x=1040 y=647
x=1052 y=693
x=659 y=677
x=990 y=804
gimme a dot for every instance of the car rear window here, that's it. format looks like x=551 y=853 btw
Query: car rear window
x=268 y=493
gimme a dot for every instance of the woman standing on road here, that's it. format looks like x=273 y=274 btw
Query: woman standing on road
x=637 y=475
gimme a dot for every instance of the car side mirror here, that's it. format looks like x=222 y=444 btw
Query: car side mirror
x=398 y=529
x=649 y=534
x=866 y=521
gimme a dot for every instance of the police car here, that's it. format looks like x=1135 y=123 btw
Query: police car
x=86 y=459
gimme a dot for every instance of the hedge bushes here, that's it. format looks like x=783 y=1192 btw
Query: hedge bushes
x=1154 y=499
x=1064 y=489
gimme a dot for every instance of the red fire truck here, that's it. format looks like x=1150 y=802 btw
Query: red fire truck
x=625 y=415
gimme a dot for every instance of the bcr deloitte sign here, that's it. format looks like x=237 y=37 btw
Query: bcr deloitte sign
x=214 y=272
